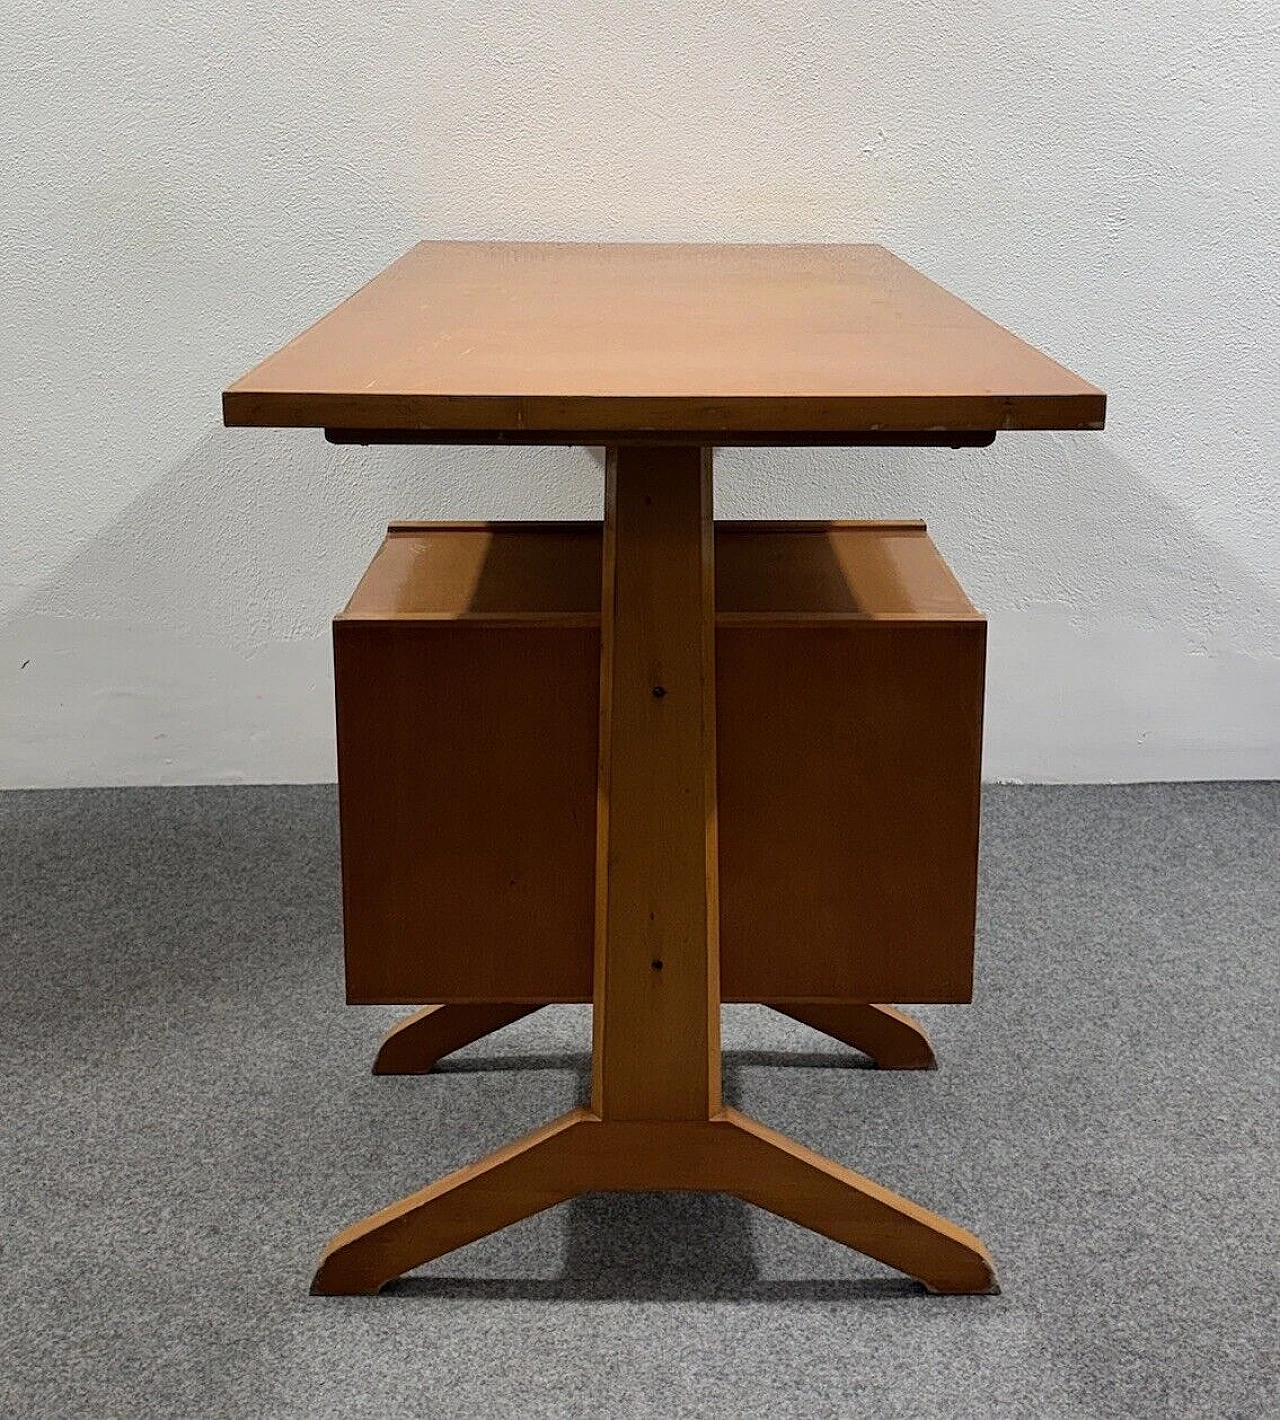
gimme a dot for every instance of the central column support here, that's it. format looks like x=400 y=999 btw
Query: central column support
x=656 y=1023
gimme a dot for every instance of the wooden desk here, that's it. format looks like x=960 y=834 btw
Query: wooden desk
x=659 y=353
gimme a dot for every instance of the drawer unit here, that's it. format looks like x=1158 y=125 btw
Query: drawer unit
x=849 y=705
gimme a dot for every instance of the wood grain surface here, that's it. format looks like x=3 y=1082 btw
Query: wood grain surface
x=849 y=711
x=516 y=338
x=656 y=1018
x=727 y=1153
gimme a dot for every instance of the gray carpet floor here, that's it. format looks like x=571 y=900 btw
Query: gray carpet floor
x=186 y=1112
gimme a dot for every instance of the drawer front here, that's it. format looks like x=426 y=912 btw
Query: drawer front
x=849 y=760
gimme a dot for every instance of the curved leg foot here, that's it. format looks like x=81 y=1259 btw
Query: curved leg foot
x=412 y=1046
x=527 y=1176
x=893 y=1039
x=785 y=1178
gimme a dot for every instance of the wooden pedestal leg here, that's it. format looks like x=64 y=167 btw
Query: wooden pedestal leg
x=892 y=1038
x=656 y=1119
x=783 y=1177
x=524 y=1178
x=412 y=1046
x=727 y=1153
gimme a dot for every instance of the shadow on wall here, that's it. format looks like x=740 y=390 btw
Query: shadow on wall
x=188 y=641
x=258 y=536
x=1126 y=641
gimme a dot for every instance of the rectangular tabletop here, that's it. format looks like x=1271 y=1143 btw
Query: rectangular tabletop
x=521 y=339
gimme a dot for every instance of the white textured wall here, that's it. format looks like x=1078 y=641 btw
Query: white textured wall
x=196 y=182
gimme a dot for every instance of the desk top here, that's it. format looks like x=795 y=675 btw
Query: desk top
x=559 y=342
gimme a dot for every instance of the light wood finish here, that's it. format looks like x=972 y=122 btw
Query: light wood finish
x=575 y=341
x=412 y=1046
x=500 y=736
x=774 y=573
x=656 y=1016
x=892 y=1038
x=516 y=1181
x=656 y=1119
x=849 y=666
x=520 y=573
x=466 y=786
x=850 y=791
x=727 y=1153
